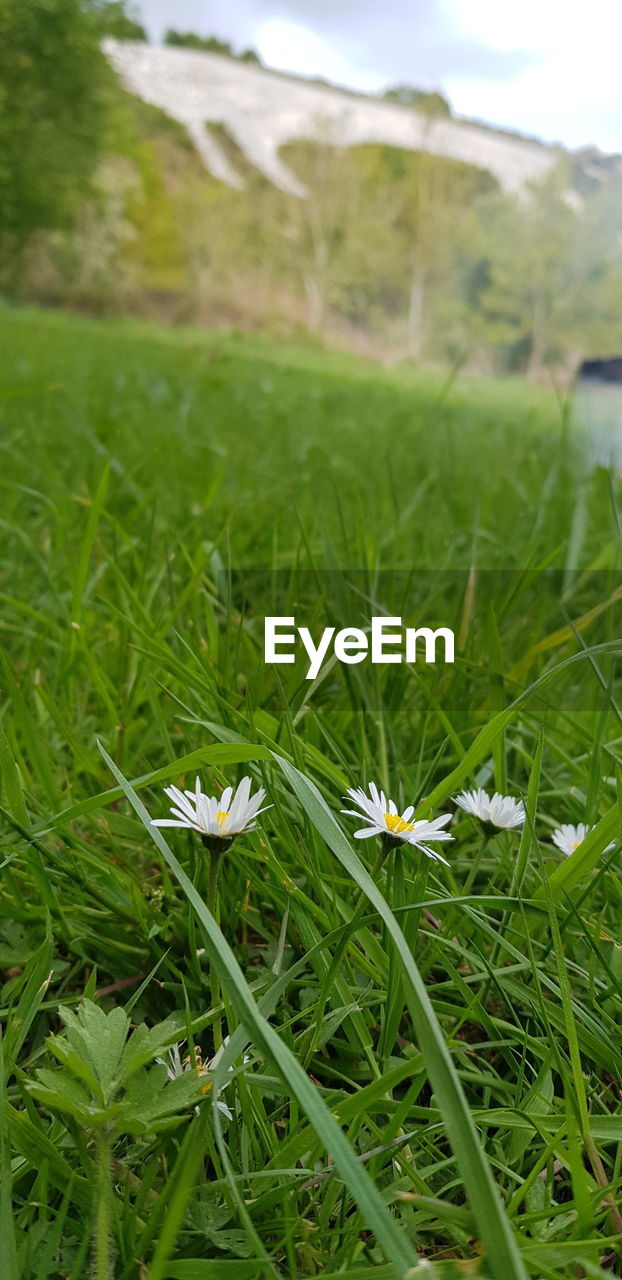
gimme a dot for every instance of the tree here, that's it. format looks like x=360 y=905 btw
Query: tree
x=203 y=44
x=427 y=199
x=54 y=79
x=208 y=44
x=318 y=230
x=432 y=102
x=535 y=274
x=119 y=20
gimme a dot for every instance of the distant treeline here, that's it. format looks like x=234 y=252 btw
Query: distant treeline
x=402 y=255
x=208 y=44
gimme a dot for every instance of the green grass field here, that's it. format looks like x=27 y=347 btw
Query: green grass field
x=424 y=1064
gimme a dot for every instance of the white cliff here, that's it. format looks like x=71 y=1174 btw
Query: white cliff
x=263 y=110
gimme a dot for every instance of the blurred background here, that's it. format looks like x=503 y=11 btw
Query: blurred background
x=435 y=182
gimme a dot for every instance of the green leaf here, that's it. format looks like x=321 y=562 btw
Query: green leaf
x=59 y=1091
x=99 y=1039
x=152 y=1101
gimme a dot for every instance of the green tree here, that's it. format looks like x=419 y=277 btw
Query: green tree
x=432 y=102
x=203 y=44
x=427 y=200
x=54 y=80
x=208 y=44
x=317 y=231
x=118 y=19
x=594 y=317
x=534 y=271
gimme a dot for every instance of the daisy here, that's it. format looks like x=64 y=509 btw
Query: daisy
x=213 y=1062
x=214 y=817
x=383 y=819
x=176 y=1066
x=568 y=837
x=500 y=811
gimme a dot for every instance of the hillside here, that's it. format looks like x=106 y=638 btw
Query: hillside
x=414 y=238
x=264 y=110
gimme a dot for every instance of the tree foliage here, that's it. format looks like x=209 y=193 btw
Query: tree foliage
x=431 y=103
x=207 y=44
x=119 y=19
x=54 y=80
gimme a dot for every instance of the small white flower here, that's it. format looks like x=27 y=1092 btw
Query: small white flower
x=500 y=811
x=221 y=817
x=383 y=819
x=568 y=837
x=177 y=1067
x=213 y=1062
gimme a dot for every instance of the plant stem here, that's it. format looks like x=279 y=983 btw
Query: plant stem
x=212 y=906
x=103 y=1250
x=386 y=847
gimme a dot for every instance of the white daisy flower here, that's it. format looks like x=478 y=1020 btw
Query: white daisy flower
x=568 y=837
x=500 y=811
x=220 y=817
x=213 y=1062
x=176 y=1066
x=383 y=819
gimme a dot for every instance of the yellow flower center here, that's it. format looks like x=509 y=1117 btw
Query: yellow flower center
x=221 y=816
x=200 y=1070
x=396 y=824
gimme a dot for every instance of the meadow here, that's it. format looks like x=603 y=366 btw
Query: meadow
x=423 y=1064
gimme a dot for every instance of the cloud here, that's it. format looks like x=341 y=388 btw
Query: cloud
x=540 y=67
x=401 y=41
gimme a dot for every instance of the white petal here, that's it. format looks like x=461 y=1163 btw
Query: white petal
x=368 y=806
x=562 y=841
x=431 y=853
x=240 y=799
x=171 y=822
x=181 y=802
x=255 y=803
x=190 y=818
x=258 y=811
x=225 y=799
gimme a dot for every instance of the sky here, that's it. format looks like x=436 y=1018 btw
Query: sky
x=549 y=68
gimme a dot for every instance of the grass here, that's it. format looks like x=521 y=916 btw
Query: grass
x=424 y=1062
